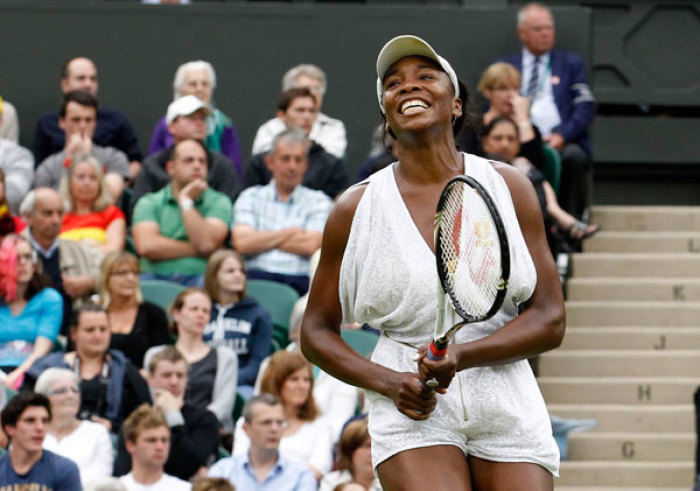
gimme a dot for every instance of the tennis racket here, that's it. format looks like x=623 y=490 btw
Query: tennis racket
x=473 y=260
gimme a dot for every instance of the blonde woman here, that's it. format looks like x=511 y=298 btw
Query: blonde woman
x=136 y=325
x=90 y=215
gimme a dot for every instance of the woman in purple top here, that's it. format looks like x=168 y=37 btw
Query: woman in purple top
x=198 y=78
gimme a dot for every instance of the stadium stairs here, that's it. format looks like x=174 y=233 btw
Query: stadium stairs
x=631 y=354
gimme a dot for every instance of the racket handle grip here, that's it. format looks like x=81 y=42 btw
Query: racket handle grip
x=437 y=349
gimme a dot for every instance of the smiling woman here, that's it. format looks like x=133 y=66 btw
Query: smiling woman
x=385 y=225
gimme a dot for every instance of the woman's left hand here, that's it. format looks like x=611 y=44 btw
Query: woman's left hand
x=441 y=370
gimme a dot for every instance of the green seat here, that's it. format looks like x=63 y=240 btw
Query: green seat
x=361 y=341
x=279 y=300
x=160 y=292
x=552 y=167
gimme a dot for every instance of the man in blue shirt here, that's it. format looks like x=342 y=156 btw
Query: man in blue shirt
x=264 y=467
x=25 y=419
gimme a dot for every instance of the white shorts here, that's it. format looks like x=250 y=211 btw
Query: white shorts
x=507 y=418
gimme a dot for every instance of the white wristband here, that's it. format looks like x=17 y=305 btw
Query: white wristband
x=186 y=204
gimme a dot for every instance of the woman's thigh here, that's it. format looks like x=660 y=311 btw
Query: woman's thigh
x=487 y=475
x=437 y=468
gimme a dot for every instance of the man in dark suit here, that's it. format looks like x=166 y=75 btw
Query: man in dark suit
x=562 y=102
x=113 y=128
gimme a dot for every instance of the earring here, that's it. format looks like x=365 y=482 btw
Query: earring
x=454 y=120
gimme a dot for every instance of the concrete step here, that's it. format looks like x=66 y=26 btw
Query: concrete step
x=643 y=391
x=647 y=218
x=620 y=363
x=615 y=241
x=636 y=265
x=631 y=338
x=652 y=447
x=658 y=418
x=634 y=289
x=623 y=313
x=631 y=474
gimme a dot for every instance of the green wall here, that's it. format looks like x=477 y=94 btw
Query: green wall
x=138 y=47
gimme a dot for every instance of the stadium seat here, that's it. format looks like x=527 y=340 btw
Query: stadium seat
x=279 y=300
x=160 y=292
x=552 y=167
x=361 y=341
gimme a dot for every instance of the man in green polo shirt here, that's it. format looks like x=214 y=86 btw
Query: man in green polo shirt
x=177 y=228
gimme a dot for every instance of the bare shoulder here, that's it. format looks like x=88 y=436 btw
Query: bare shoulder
x=345 y=205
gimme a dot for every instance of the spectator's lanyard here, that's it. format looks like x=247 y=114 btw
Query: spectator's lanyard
x=544 y=77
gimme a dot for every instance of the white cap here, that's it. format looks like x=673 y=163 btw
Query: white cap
x=184 y=106
x=407 y=45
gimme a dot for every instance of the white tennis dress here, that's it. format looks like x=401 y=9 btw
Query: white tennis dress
x=388 y=279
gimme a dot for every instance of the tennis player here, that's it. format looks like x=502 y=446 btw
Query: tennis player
x=486 y=425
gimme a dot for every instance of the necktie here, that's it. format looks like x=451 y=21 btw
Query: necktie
x=534 y=78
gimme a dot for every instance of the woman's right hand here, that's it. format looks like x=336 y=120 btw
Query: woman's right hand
x=411 y=396
x=521 y=108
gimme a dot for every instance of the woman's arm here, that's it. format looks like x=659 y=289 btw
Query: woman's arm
x=115 y=236
x=320 y=331
x=223 y=395
x=42 y=346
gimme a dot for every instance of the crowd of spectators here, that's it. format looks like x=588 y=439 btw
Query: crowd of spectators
x=110 y=383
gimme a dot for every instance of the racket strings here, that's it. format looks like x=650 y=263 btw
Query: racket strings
x=470 y=251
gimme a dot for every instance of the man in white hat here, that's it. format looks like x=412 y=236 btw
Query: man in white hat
x=186 y=119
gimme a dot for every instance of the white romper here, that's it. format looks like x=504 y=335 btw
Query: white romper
x=388 y=279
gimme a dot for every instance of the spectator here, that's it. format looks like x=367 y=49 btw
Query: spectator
x=264 y=466
x=326 y=131
x=307 y=437
x=499 y=84
x=136 y=324
x=501 y=140
x=186 y=119
x=77 y=118
x=17 y=164
x=212 y=372
x=238 y=321
x=9 y=223
x=30 y=313
x=194 y=431
x=27 y=465
x=148 y=441
x=325 y=172
x=84 y=442
x=113 y=128
x=199 y=79
x=562 y=102
x=178 y=227
x=9 y=130
x=279 y=225
x=354 y=459
x=90 y=217
x=70 y=265
x=110 y=385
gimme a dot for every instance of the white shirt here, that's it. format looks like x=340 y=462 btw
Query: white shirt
x=165 y=483
x=326 y=131
x=89 y=446
x=543 y=112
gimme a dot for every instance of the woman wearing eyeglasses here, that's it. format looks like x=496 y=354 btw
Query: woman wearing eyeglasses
x=136 y=325
x=84 y=442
